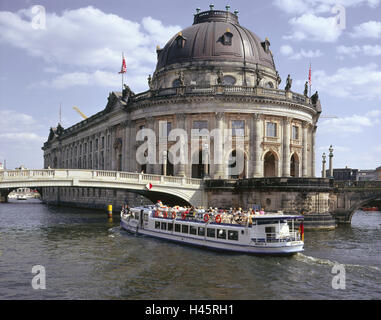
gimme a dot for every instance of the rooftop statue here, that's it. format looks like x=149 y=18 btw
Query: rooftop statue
x=315 y=98
x=306 y=89
x=288 y=83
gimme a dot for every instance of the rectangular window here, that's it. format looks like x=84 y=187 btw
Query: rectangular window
x=295 y=132
x=201 y=231
x=103 y=142
x=163 y=226
x=170 y=226
x=157 y=224
x=221 y=233
x=184 y=229
x=211 y=233
x=177 y=227
x=238 y=128
x=200 y=124
x=193 y=230
x=232 y=235
x=271 y=129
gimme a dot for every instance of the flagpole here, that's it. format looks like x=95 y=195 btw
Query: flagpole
x=310 y=79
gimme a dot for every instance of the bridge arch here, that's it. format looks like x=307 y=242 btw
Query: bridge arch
x=174 y=190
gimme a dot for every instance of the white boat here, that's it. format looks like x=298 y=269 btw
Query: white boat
x=21 y=197
x=240 y=232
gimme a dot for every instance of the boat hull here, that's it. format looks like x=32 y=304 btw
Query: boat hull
x=288 y=248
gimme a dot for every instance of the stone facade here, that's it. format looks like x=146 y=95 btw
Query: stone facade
x=197 y=86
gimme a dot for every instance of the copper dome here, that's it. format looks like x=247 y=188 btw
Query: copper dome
x=215 y=36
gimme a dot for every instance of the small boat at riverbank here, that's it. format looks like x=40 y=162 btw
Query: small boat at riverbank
x=370 y=209
x=238 y=231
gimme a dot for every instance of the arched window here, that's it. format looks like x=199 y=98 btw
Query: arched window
x=228 y=81
x=269 y=85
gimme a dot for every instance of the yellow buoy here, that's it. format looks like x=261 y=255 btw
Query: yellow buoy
x=109 y=209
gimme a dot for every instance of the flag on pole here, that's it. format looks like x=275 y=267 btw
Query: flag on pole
x=301 y=230
x=124 y=67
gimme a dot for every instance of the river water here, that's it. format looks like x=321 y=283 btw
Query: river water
x=86 y=256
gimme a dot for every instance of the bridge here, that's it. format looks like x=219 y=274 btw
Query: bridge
x=292 y=195
x=171 y=190
x=349 y=196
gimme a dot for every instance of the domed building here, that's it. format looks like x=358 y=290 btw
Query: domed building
x=215 y=76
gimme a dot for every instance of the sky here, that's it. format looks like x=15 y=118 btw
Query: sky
x=68 y=53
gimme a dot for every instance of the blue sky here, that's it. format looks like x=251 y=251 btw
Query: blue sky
x=75 y=59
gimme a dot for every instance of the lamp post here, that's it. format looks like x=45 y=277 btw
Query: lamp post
x=330 y=161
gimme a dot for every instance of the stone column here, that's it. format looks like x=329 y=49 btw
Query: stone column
x=151 y=125
x=330 y=161
x=323 y=172
x=257 y=125
x=218 y=157
x=286 y=147
x=304 y=150
x=113 y=151
x=181 y=125
x=313 y=151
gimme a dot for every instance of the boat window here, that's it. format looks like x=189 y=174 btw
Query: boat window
x=170 y=226
x=145 y=217
x=163 y=226
x=157 y=225
x=192 y=230
x=211 y=232
x=184 y=229
x=232 y=235
x=221 y=233
x=201 y=231
x=177 y=227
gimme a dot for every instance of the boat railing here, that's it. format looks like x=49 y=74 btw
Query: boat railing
x=277 y=238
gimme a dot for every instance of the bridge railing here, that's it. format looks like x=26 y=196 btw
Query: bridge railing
x=357 y=184
x=95 y=174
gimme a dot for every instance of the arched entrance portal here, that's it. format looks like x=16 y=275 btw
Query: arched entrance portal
x=270 y=164
x=294 y=165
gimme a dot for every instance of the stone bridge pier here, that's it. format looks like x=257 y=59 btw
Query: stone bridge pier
x=307 y=196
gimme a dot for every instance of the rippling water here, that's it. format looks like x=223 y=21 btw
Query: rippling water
x=88 y=257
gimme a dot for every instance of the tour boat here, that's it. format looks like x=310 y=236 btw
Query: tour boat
x=237 y=231
x=21 y=197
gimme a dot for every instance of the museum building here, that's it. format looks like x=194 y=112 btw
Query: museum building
x=215 y=74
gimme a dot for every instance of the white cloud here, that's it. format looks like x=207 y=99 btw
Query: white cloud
x=351 y=124
x=353 y=51
x=89 y=41
x=19 y=129
x=370 y=29
x=298 y=7
x=314 y=28
x=288 y=51
x=360 y=82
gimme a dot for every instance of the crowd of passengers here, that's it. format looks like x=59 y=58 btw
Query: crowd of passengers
x=232 y=215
